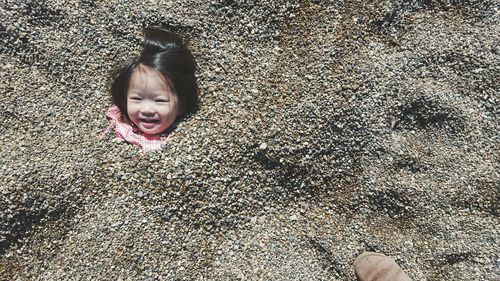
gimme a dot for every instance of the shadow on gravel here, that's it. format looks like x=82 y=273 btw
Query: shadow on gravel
x=392 y=202
x=34 y=212
x=484 y=197
x=422 y=113
x=329 y=261
x=474 y=9
x=40 y=13
x=301 y=172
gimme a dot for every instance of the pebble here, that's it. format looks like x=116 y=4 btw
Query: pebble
x=263 y=146
x=140 y=194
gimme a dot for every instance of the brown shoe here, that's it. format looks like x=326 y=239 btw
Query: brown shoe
x=371 y=266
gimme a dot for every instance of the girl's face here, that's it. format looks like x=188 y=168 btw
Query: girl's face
x=152 y=104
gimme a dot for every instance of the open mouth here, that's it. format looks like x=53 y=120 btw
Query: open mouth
x=149 y=121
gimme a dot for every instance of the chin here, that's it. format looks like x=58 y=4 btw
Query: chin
x=154 y=131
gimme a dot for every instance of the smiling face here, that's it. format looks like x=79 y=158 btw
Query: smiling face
x=152 y=104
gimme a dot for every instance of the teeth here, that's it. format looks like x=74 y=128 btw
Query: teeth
x=149 y=121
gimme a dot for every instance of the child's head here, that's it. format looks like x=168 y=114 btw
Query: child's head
x=159 y=85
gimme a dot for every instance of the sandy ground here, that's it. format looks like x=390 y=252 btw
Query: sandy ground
x=325 y=129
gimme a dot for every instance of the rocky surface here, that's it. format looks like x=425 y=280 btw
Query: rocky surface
x=325 y=128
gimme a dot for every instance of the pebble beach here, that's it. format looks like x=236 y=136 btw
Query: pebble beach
x=324 y=129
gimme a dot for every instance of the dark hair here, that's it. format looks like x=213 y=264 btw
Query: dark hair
x=164 y=51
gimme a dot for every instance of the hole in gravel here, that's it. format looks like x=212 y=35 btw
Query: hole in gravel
x=391 y=202
x=423 y=113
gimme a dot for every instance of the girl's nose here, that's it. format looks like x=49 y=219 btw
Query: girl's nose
x=147 y=110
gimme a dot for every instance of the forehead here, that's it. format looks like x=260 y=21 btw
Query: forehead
x=147 y=77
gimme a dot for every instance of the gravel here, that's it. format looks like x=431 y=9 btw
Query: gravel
x=326 y=128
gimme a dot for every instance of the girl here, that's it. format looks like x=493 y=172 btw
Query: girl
x=152 y=90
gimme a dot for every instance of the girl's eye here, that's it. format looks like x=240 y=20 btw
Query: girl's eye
x=135 y=98
x=161 y=100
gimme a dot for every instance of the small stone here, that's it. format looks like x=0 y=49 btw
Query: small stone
x=263 y=146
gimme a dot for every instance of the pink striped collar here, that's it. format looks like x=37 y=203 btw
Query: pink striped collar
x=131 y=134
